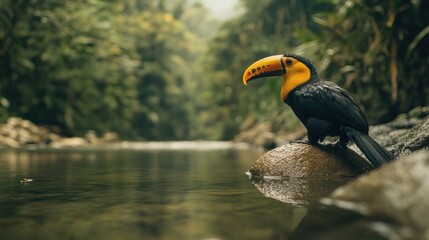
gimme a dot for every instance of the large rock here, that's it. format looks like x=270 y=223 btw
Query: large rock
x=417 y=139
x=301 y=173
x=401 y=136
x=396 y=193
x=299 y=160
x=388 y=203
x=406 y=134
x=17 y=132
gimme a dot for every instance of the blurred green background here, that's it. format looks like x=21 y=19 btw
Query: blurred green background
x=171 y=69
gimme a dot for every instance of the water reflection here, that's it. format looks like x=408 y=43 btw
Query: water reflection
x=137 y=195
x=299 y=191
x=324 y=220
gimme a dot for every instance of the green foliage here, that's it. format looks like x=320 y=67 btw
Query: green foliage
x=95 y=65
x=64 y=65
x=143 y=68
x=377 y=50
x=158 y=38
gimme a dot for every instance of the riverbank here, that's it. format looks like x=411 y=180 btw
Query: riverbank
x=18 y=133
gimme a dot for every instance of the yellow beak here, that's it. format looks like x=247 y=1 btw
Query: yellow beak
x=266 y=67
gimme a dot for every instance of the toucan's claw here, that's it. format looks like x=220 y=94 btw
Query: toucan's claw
x=300 y=141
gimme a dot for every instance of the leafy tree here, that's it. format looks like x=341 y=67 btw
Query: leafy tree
x=143 y=68
x=378 y=50
x=375 y=49
x=104 y=66
x=65 y=66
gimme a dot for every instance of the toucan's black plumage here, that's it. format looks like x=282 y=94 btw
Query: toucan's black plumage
x=324 y=108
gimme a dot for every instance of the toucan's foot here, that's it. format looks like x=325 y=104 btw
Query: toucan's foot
x=300 y=141
x=316 y=144
x=340 y=144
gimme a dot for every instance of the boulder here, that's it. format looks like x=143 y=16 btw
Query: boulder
x=388 y=203
x=300 y=160
x=417 y=139
x=301 y=173
x=17 y=132
x=407 y=133
x=397 y=192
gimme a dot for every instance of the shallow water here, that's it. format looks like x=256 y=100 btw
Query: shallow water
x=137 y=194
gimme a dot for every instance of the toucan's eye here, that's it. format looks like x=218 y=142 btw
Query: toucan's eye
x=289 y=61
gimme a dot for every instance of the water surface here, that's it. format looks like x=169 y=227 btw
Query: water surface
x=137 y=194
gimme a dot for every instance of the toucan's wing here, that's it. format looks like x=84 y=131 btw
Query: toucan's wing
x=326 y=101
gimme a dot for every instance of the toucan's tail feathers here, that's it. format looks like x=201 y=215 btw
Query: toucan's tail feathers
x=375 y=153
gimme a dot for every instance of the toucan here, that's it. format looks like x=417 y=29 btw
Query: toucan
x=323 y=107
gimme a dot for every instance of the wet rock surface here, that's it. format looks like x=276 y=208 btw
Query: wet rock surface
x=417 y=139
x=391 y=201
x=406 y=134
x=301 y=173
x=300 y=160
x=397 y=193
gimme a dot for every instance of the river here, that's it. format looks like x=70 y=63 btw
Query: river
x=138 y=191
